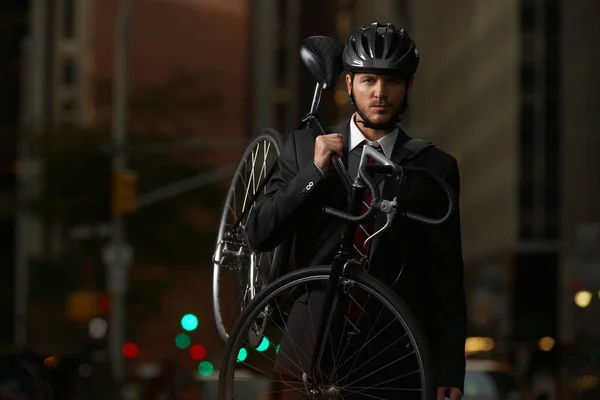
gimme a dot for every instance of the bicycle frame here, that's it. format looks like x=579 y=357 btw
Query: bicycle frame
x=341 y=262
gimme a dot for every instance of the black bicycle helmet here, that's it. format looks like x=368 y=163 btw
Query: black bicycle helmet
x=381 y=48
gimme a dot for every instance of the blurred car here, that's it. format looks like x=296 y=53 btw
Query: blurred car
x=492 y=380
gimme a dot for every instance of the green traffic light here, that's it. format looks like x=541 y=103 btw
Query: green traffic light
x=189 y=322
x=205 y=368
x=264 y=345
x=242 y=355
x=182 y=341
x=277 y=349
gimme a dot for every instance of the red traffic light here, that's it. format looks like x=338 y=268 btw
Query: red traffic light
x=197 y=352
x=130 y=350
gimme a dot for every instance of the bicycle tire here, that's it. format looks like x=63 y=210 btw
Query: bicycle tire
x=376 y=287
x=275 y=139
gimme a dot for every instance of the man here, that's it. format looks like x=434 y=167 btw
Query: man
x=380 y=62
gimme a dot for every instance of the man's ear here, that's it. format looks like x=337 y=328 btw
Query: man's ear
x=349 y=83
x=409 y=84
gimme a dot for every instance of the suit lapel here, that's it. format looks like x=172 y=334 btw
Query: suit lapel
x=391 y=186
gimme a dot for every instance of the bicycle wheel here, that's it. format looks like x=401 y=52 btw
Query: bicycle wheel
x=239 y=272
x=388 y=357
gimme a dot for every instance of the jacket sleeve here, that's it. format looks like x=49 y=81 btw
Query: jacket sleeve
x=449 y=303
x=292 y=193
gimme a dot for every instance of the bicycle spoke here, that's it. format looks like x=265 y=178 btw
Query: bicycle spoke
x=246 y=181
x=378 y=386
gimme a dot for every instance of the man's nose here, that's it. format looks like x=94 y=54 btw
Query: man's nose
x=380 y=90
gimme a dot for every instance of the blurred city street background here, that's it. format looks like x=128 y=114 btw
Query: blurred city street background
x=121 y=122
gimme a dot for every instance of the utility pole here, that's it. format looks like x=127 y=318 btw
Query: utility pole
x=118 y=253
x=34 y=119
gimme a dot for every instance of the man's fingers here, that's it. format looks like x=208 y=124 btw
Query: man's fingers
x=338 y=148
x=455 y=394
x=441 y=392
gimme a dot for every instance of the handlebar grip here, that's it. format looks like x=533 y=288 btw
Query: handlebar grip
x=353 y=218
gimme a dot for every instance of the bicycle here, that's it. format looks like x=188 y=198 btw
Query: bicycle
x=335 y=288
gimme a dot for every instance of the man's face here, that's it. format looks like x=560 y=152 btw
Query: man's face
x=378 y=97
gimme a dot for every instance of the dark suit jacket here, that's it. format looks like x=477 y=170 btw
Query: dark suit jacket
x=432 y=280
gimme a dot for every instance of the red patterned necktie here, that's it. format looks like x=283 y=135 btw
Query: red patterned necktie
x=361 y=253
x=366 y=229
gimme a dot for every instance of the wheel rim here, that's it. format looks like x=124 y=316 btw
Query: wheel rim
x=351 y=386
x=232 y=254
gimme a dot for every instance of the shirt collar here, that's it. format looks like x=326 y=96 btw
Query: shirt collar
x=387 y=142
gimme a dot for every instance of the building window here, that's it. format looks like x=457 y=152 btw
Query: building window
x=552 y=109
x=68 y=78
x=527 y=78
x=527 y=19
x=69 y=106
x=69 y=110
x=69 y=20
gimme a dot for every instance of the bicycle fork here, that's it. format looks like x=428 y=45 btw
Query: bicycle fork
x=329 y=304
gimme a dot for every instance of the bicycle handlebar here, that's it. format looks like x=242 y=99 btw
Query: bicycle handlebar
x=445 y=187
x=388 y=168
x=366 y=172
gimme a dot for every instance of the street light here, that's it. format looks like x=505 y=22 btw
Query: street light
x=583 y=298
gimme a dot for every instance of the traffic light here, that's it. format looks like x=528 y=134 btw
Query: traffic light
x=125 y=190
x=182 y=341
x=189 y=322
x=197 y=352
x=130 y=350
x=205 y=368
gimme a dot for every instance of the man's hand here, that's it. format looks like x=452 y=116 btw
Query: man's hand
x=325 y=146
x=453 y=393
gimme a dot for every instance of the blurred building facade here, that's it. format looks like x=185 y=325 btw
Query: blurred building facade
x=507 y=87
x=69 y=68
x=169 y=40
x=468 y=100
x=281 y=87
x=580 y=174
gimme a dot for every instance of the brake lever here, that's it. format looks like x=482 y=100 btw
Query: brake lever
x=390 y=208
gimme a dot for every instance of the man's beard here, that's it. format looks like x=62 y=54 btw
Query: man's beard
x=391 y=116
